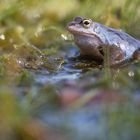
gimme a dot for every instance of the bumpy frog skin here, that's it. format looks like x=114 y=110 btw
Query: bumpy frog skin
x=92 y=38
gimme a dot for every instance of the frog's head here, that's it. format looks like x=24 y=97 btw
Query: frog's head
x=86 y=36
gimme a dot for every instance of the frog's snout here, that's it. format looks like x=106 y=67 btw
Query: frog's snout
x=77 y=20
x=71 y=23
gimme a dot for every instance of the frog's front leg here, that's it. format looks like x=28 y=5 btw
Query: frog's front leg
x=114 y=56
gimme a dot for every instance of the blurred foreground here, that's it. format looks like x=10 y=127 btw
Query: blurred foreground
x=44 y=95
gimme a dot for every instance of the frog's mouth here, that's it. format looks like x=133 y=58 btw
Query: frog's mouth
x=89 y=43
x=75 y=32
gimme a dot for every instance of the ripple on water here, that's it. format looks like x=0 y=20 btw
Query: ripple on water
x=65 y=74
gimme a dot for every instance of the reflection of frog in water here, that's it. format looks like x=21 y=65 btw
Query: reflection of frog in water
x=92 y=38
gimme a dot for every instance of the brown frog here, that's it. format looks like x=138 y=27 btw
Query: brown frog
x=93 y=39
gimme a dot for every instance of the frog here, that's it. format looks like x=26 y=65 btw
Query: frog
x=94 y=39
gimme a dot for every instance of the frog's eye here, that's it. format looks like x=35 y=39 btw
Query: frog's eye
x=86 y=23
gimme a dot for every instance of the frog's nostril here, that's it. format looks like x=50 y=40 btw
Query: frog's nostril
x=71 y=24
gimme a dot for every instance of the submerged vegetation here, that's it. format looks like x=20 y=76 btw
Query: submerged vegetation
x=44 y=95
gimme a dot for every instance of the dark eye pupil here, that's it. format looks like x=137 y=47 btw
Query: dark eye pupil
x=86 y=22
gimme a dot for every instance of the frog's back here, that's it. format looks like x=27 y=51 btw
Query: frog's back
x=126 y=37
x=120 y=39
